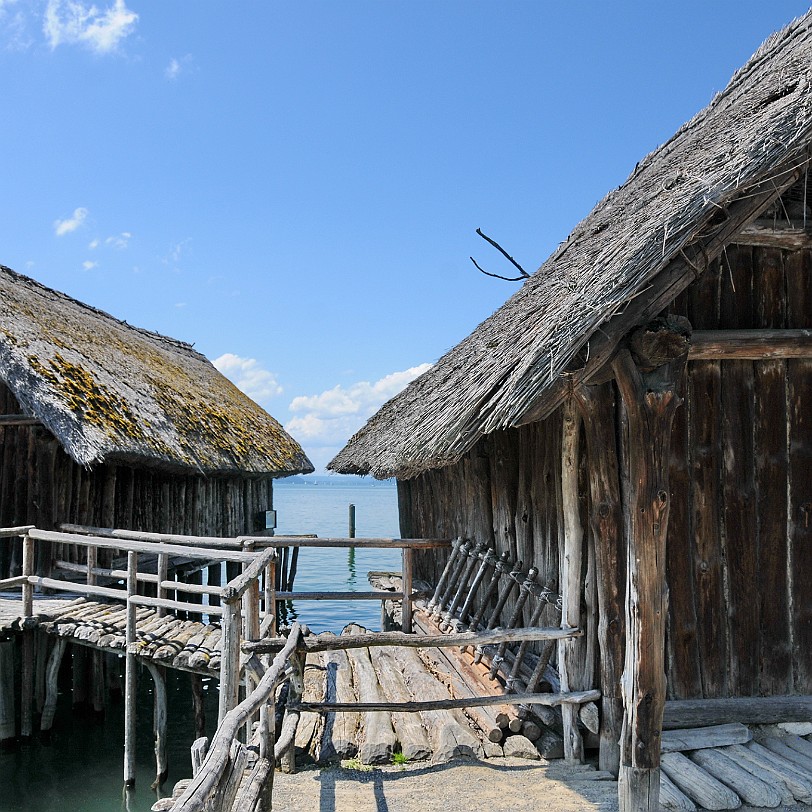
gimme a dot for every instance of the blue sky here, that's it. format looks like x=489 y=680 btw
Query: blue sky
x=295 y=187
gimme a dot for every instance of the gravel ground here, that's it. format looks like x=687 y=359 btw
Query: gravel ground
x=497 y=785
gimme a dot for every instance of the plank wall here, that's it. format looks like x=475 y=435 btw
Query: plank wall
x=41 y=485
x=739 y=561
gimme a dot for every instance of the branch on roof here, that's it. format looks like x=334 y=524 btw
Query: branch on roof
x=524 y=274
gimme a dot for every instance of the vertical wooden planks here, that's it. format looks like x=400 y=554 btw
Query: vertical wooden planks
x=704 y=392
x=771 y=480
x=798 y=267
x=738 y=478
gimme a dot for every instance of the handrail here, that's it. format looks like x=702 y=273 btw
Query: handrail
x=242 y=557
x=386 y=543
x=142 y=535
x=204 y=785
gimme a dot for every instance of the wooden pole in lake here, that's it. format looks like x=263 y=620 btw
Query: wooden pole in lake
x=27 y=667
x=7 y=724
x=130 y=674
x=648 y=383
x=351 y=533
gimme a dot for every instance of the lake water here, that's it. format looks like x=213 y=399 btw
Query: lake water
x=81 y=769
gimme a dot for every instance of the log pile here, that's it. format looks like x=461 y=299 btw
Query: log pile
x=722 y=767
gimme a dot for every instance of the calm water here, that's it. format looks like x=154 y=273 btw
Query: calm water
x=80 y=771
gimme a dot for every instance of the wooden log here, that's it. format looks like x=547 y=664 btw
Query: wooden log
x=671 y=797
x=799 y=783
x=51 y=689
x=412 y=740
x=447 y=671
x=340 y=729
x=130 y=674
x=749 y=710
x=199 y=708
x=233 y=775
x=8 y=727
x=801 y=745
x=704 y=737
x=308 y=732
x=779 y=747
x=698 y=785
x=448 y=730
x=230 y=658
x=377 y=734
x=650 y=399
x=748 y=760
x=571 y=653
x=252 y=787
x=200 y=746
x=750 y=789
x=159 y=723
x=597 y=407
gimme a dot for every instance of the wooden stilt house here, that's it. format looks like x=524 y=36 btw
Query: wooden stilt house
x=652 y=383
x=104 y=424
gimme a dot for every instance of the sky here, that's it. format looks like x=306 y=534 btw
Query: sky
x=295 y=187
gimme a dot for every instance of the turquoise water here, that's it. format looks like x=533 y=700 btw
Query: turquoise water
x=81 y=769
x=320 y=505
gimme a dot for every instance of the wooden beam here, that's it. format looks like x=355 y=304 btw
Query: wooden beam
x=651 y=399
x=18 y=420
x=597 y=408
x=749 y=345
x=749 y=710
x=769 y=234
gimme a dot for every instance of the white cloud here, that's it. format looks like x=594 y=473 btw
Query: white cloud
x=173 y=69
x=14 y=25
x=89 y=266
x=62 y=227
x=93 y=244
x=323 y=423
x=247 y=374
x=73 y=22
x=119 y=241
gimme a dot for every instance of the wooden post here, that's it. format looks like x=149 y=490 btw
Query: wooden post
x=570 y=652
x=163 y=574
x=351 y=529
x=159 y=723
x=648 y=384
x=198 y=706
x=52 y=675
x=130 y=675
x=251 y=614
x=408 y=577
x=229 y=659
x=270 y=596
x=597 y=407
x=7 y=723
x=27 y=667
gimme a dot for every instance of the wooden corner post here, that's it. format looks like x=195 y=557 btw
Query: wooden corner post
x=648 y=382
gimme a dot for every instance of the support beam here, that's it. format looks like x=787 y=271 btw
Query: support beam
x=571 y=652
x=597 y=407
x=749 y=345
x=648 y=384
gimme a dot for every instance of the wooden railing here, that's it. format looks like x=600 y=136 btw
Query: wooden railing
x=407 y=546
x=239 y=607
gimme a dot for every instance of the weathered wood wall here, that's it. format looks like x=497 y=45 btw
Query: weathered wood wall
x=740 y=533
x=41 y=485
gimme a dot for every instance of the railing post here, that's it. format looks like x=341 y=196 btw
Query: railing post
x=163 y=574
x=27 y=665
x=229 y=658
x=130 y=674
x=92 y=563
x=251 y=615
x=270 y=595
x=407 y=576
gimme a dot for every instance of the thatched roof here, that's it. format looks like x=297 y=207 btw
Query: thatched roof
x=639 y=247
x=110 y=392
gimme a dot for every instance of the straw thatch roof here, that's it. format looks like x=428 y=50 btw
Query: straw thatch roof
x=110 y=392
x=639 y=247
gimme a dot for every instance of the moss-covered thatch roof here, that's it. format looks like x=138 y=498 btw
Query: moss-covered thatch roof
x=110 y=392
x=638 y=248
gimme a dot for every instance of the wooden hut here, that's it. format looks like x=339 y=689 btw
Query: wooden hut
x=105 y=424
x=671 y=333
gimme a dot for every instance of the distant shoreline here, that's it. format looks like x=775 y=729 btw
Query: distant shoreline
x=334 y=481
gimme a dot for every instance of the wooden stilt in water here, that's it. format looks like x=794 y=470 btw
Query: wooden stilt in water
x=130 y=677
x=648 y=384
x=27 y=668
x=159 y=723
x=97 y=682
x=51 y=679
x=79 y=657
x=8 y=729
x=197 y=704
x=41 y=660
